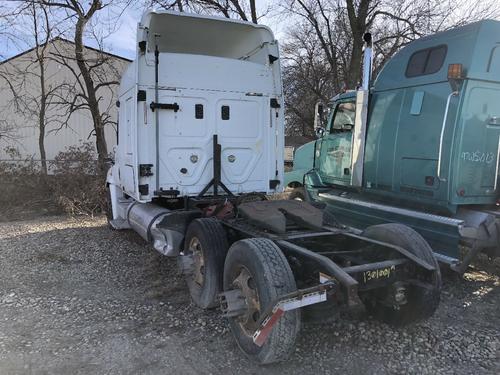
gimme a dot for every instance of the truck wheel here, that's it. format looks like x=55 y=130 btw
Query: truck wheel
x=298 y=194
x=421 y=301
x=260 y=270
x=205 y=248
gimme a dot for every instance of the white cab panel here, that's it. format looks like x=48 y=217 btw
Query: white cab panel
x=212 y=90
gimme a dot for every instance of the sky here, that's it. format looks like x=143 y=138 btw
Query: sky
x=122 y=41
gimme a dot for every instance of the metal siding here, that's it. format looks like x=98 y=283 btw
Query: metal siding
x=57 y=139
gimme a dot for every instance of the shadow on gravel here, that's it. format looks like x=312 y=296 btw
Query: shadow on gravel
x=91 y=300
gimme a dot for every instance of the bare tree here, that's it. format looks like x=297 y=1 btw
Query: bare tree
x=7 y=131
x=7 y=128
x=82 y=15
x=307 y=78
x=8 y=29
x=337 y=27
x=245 y=10
x=26 y=79
x=45 y=92
x=94 y=71
x=72 y=94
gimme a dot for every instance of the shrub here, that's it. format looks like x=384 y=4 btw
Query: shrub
x=75 y=185
x=23 y=188
x=78 y=185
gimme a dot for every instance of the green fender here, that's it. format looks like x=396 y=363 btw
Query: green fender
x=303 y=161
x=295 y=177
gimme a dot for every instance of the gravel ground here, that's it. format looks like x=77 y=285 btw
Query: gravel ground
x=76 y=297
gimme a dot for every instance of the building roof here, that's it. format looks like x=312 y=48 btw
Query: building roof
x=66 y=41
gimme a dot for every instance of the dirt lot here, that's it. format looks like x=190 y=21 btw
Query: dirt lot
x=76 y=297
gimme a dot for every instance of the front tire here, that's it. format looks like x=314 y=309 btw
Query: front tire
x=260 y=270
x=422 y=301
x=108 y=207
x=297 y=194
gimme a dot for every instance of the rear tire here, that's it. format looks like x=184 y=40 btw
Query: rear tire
x=421 y=302
x=206 y=242
x=268 y=276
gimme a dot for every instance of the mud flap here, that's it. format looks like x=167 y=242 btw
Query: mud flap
x=301 y=298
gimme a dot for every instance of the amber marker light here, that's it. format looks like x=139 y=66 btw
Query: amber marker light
x=455 y=71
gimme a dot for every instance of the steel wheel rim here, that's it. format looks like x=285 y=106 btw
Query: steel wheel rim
x=246 y=283
x=196 y=250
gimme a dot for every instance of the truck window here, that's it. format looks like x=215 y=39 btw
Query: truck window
x=343 y=119
x=426 y=61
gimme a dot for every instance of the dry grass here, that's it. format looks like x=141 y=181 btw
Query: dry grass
x=74 y=186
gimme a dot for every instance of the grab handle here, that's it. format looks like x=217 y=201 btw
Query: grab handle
x=172 y=106
x=440 y=152
x=496 y=168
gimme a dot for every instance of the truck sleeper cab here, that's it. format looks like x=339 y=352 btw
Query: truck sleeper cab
x=431 y=146
x=181 y=90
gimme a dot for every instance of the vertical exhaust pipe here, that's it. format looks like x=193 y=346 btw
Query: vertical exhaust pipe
x=367 y=61
x=361 y=118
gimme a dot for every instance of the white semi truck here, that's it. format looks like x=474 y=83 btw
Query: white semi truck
x=200 y=147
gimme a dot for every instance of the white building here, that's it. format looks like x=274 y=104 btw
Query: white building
x=20 y=95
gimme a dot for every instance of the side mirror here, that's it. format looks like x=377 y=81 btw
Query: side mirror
x=320 y=131
x=318 y=115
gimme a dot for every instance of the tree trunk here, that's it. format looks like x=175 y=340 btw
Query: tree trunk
x=357 y=22
x=41 y=143
x=353 y=74
x=253 y=11
x=41 y=116
x=102 y=149
x=179 y=5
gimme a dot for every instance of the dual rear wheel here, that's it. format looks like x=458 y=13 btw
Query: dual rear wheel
x=259 y=270
x=202 y=261
x=422 y=294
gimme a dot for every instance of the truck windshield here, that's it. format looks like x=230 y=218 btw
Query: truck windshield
x=343 y=118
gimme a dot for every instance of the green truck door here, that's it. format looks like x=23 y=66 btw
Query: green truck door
x=334 y=163
x=479 y=142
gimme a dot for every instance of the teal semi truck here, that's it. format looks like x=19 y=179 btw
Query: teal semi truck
x=419 y=145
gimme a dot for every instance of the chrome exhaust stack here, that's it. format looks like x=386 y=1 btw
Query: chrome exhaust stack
x=367 y=61
x=359 y=133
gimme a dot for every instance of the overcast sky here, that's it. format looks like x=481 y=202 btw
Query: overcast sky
x=121 y=44
x=122 y=41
